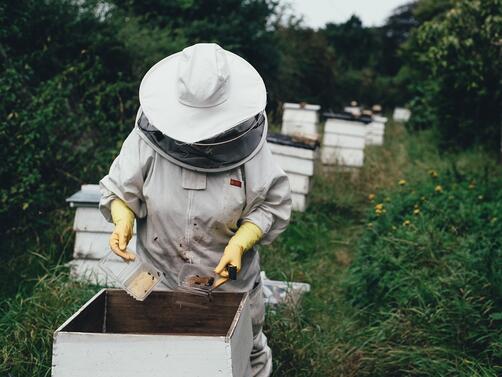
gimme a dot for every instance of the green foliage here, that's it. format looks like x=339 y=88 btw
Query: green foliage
x=27 y=324
x=428 y=275
x=459 y=53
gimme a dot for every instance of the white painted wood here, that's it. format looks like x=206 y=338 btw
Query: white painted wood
x=344 y=141
x=306 y=106
x=121 y=355
x=299 y=183
x=300 y=118
x=354 y=110
x=89 y=219
x=340 y=156
x=401 y=114
x=80 y=354
x=287 y=150
x=297 y=128
x=240 y=343
x=295 y=165
x=345 y=127
x=300 y=202
x=375 y=134
x=93 y=245
x=380 y=119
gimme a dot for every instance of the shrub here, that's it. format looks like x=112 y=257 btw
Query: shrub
x=427 y=278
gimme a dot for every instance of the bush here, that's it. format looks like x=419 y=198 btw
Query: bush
x=458 y=52
x=427 y=278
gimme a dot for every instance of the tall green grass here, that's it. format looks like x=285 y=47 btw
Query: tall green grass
x=345 y=326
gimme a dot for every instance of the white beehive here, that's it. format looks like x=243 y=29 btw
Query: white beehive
x=298 y=160
x=376 y=131
x=300 y=119
x=92 y=233
x=343 y=141
x=168 y=334
x=401 y=114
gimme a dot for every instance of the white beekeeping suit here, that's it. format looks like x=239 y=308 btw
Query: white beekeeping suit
x=190 y=198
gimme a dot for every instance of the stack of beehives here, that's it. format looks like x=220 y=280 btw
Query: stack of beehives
x=344 y=140
x=92 y=233
x=296 y=149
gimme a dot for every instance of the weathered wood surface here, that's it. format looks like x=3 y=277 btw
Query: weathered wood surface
x=137 y=338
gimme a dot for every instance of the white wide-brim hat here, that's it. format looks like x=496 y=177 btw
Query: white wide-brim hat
x=201 y=92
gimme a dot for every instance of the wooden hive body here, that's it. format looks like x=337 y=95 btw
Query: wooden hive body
x=343 y=142
x=299 y=162
x=300 y=119
x=168 y=334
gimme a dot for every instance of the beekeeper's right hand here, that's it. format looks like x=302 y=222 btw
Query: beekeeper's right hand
x=123 y=218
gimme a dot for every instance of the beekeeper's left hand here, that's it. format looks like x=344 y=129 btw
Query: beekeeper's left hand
x=244 y=239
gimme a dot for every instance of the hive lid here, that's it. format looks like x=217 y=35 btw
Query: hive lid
x=348 y=116
x=291 y=141
x=88 y=196
x=301 y=105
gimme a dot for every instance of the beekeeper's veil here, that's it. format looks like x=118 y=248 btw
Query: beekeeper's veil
x=204 y=108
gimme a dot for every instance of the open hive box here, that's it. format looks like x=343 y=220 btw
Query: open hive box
x=168 y=334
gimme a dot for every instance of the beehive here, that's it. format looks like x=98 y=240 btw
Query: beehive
x=168 y=334
x=300 y=119
x=343 y=141
x=298 y=159
x=401 y=114
x=376 y=131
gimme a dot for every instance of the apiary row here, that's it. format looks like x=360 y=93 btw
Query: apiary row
x=345 y=137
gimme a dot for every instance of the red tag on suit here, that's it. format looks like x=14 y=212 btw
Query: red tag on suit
x=235 y=182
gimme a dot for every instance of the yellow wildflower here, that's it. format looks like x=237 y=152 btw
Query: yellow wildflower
x=402 y=182
x=472 y=185
x=433 y=173
x=378 y=207
x=438 y=188
x=406 y=222
x=371 y=197
x=370 y=225
x=416 y=211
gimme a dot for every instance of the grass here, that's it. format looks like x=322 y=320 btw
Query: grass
x=334 y=332
x=341 y=328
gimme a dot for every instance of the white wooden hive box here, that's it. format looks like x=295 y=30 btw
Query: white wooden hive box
x=168 y=334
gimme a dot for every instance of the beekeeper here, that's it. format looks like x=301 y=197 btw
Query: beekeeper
x=197 y=174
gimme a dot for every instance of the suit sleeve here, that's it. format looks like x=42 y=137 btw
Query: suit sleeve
x=268 y=195
x=127 y=176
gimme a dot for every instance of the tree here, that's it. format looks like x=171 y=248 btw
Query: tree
x=460 y=53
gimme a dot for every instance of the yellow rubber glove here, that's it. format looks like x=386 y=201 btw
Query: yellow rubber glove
x=123 y=218
x=244 y=239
